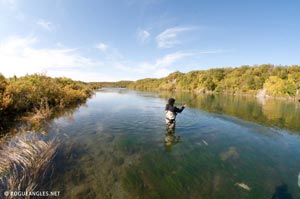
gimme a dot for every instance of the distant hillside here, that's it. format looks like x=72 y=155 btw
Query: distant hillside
x=266 y=79
x=119 y=84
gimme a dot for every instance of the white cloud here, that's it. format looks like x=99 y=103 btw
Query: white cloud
x=110 y=53
x=169 y=59
x=169 y=37
x=143 y=36
x=45 y=24
x=88 y=76
x=102 y=47
x=19 y=56
x=11 y=4
x=162 y=72
x=159 y=68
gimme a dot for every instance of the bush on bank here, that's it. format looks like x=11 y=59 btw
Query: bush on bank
x=32 y=92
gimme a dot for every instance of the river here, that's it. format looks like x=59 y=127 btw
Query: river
x=223 y=147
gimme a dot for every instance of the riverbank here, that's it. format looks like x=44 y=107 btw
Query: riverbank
x=37 y=97
x=32 y=100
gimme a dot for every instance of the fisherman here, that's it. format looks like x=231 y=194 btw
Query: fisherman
x=171 y=112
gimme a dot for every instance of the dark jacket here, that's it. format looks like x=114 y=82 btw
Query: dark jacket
x=173 y=109
x=171 y=112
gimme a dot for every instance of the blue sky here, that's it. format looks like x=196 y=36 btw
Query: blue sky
x=132 y=39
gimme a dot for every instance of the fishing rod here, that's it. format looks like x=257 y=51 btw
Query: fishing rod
x=182 y=103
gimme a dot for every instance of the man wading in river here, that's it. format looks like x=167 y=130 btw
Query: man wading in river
x=171 y=112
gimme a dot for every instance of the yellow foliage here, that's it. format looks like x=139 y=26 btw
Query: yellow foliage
x=281 y=81
x=19 y=95
x=275 y=86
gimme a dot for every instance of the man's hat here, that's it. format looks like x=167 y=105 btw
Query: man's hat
x=171 y=101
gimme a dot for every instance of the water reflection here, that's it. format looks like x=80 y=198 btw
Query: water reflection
x=269 y=112
x=170 y=137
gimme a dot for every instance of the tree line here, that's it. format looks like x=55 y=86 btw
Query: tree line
x=275 y=81
x=119 y=84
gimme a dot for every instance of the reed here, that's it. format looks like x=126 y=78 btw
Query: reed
x=42 y=111
x=25 y=162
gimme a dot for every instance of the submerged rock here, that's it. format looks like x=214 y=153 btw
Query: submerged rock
x=217 y=182
x=205 y=142
x=299 y=179
x=243 y=185
x=231 y=153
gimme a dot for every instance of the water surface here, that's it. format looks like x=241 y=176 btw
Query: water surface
x=115 y=148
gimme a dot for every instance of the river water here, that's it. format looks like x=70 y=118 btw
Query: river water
x=223 y=147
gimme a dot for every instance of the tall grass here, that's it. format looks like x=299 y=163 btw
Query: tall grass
x=42 y=111
x=25 y=161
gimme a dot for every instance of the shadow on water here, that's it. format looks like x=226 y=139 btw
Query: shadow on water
x=281 y=192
